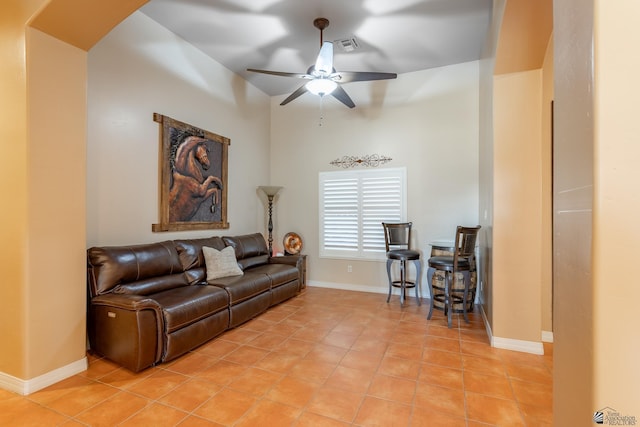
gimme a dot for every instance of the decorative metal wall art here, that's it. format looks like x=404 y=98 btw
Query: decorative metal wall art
x=368 y=160
x=193 y=177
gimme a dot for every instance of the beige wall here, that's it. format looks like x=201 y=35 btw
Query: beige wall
x=616 y=230
x=14 y=186
x=138 y=69
x=546 y=158
x=56 y=176
x=574 y=320
x=425 y=121
x=517 y=208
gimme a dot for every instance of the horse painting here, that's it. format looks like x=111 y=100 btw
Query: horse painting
x=189 y=187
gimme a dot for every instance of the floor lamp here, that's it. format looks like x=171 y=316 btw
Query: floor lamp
x=271 y=192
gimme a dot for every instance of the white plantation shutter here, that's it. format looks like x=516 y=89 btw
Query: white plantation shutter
x=353 y=205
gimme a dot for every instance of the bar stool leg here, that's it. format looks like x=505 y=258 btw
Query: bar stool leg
x=417 y=282
x=389 y=262
x=430 y=272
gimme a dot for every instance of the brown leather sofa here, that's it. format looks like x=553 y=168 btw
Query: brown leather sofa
x=151 y=303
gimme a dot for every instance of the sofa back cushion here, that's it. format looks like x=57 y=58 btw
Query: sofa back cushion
x=139 y=269
x=251 y=249
x=192 y=258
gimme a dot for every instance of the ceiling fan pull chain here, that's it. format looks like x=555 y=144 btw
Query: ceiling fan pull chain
x=321 y=111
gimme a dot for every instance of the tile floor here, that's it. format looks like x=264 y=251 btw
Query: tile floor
x=325 y=358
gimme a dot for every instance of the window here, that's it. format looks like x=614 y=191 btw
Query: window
x=353 y=205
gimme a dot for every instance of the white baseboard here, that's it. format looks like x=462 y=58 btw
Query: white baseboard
x=547 y=336
x=518 y=345
x=350 y=287
x=509 y=343
x=25 y=387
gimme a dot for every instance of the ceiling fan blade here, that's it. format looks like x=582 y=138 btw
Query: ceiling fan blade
x=342 y=96
x=324 y=62
x=300 y=91
x=281 y=73
x=361 y=76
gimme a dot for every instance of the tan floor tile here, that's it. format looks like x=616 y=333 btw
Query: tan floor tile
x=114 y=410
x=325 y=358
x=339 y=339
x=424 y=418
x=292 y=391
x=20 y=411
x=392 y=388
x=444 y=344
x=326 y=353
x=350 y=379
x=246 y=355
x=268 y=341
x=191 y=363
x=396 y=367
x=195 y=421
x=190 y=394
x=534 y=394
x=439 y=399
x=404 y=351
x=158 y=384
x=344 y=408
x=155 y=415
x=361 y=360
x=483 y=365
x=226 y=407
x=491 y=410
x=277 y=414
x=83 y=398
x=442 y=358
x=311 y=370
x=490 y=385
x=532 y=373
x=441 y=376
x=379 y=412
x=278 y=361
x=310 y=419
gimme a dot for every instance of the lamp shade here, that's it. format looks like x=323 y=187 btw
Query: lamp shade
x=270 y=190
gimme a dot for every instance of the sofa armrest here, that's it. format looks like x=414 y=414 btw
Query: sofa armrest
x=128 y=329
x=294 y=260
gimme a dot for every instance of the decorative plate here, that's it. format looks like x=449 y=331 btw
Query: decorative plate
x=292 y=243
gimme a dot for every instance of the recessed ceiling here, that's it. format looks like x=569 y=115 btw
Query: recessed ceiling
x=398 y=36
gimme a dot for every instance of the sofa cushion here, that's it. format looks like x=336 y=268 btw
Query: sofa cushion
x=152 y=285
x=251 y=249
x=110 y=266
x=241 y=288
x=278 y=273
x=221 y=263
x=192 y=258
x=184 y=306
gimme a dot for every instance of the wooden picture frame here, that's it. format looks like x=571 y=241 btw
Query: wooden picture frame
x=193 y=177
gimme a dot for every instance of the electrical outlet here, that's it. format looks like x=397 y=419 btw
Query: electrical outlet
x=349 y=268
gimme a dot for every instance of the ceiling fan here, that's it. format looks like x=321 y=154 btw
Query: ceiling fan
x=322 y=78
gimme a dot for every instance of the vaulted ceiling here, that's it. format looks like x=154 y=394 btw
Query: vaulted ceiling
x=396 y=36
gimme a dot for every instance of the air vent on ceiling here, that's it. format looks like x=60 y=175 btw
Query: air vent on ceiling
x=347 y=45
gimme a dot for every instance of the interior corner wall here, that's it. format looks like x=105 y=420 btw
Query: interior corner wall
x=546 y=152
x=56 y=199
x=517 y=210
x=425 y=121
x=573 y=169
x=138 y=69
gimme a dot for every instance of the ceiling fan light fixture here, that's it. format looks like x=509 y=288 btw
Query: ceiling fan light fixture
x=321 y=87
